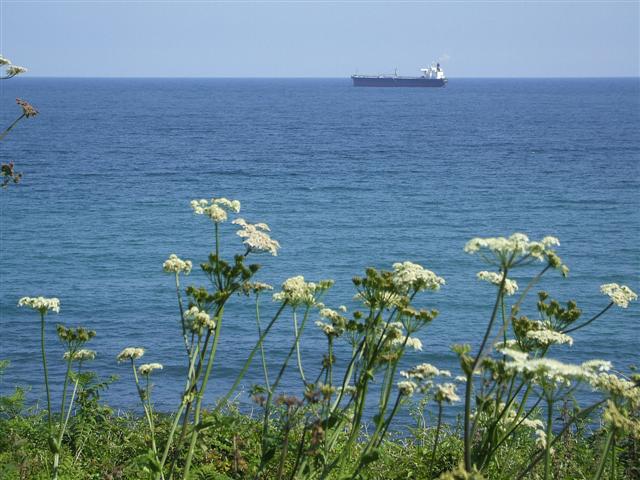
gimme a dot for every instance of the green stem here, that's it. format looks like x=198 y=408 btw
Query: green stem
x=547 y=450
x=187 y=346
x=46 y=374
x=435 y=442
x=262 y=356
x=469 y=386
x=295 y=331
x=200 y=395
x=4 y=134
x=590 y=320
x=605 y=451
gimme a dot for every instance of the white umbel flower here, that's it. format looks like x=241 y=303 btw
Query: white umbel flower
x=407 y=387
x=216 y=209
x=130 y=353
x=80 y=356
x=176 y=265
x=447 y=393
x=199 y=319
x=14 y=70
x=411 y=276
x=41 y=304
x=621 y=295
x=256 y=237
x=548 y=337
x=296 y=292
x=149 y=368
x=510 y=286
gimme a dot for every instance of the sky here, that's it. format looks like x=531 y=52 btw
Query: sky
x=321 y=38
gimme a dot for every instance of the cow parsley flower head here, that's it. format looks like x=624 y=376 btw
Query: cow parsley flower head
x=4 y=61
x=42 y=304
x=80 y=356
x=621 y=295
x=256 y=238
x=295 y=291
x=548 y=337
x=508 y=251
x=424 y=371
x=216 y=209
x=175 y=265
x=148 y=368
x=597 y=365
x=199 y=319
x=409 y=276
x=510 y=286
x=130 y=353
x=409 y=342
x=14 y=70
x=407 y=387
x=447 y=393
x=328 y=329
x=549 y=370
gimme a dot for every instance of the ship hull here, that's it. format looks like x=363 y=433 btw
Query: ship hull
x=363 y=81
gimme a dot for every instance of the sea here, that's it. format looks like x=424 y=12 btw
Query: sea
x=346 y=178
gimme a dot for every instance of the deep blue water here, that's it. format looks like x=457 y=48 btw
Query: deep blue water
x=346 y=178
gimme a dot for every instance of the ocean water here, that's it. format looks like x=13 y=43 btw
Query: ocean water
x=347 y=178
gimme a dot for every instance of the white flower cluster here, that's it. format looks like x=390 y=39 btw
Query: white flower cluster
x=41 y=304
x=80 y=356
x=408 y=276
x=382 y=297
x=130 y=353
x=296 y=292
x=514 y=247
x=12 y=70
x=446 y=392
x=327 y=328
x=216 y=209
x=409 y=342
x=256 y=237
x=621 y=295
x=548 y=369
x=510 y=286
x=424 y=371
x=148 y=368
x=199 y=319
x=407 y=387
x=547 y=336
x=175 y=265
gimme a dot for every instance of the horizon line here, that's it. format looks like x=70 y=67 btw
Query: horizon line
x=203 y=77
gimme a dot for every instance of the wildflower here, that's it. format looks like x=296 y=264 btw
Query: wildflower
x=616 y=417
x=409 y=342
x=621 y=295
x=148 y=368
x=408 y=276
x=460 y=378
x=80 y=355
x=550 y=370
x=548 y=337
x=541 y=439
x=597 y=365
x=447 y=393
x=328 y=329
x=509 y=251
x=424 y=371
x=536 y=424
x=255 y=237
x=4 y=61
x=407 y=387
x=510 y=286
x=199 y=319
x=41 y=304
x=297 y=292
x=255 y=287
x=617 y=387
x=175 y=265
x=130 y=353
x=517 y=355
x=28 y=110
x=216 y=209
x=342 y=308
x=14 y=70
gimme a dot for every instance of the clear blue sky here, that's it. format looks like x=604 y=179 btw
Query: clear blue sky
x=321 y=38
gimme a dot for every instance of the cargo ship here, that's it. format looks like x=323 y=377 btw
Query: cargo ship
x=431 y=77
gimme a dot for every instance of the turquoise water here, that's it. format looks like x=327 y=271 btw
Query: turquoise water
x=346 y=178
